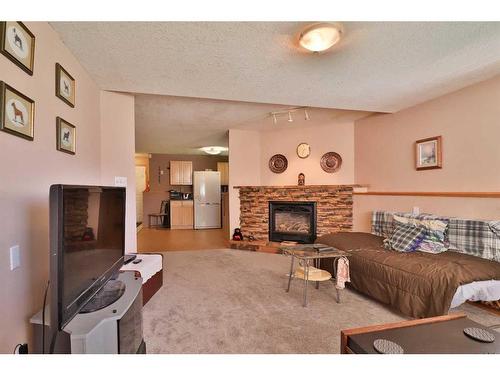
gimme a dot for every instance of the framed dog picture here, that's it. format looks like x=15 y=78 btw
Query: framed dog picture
x=18 y=44
x=17 y=112
x=66 y=136
x=65 y=86
x=428 y=154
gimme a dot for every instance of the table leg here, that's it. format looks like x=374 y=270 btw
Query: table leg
x=306 y=279
x=318 y=263
x=290 y=275
x=338 y=295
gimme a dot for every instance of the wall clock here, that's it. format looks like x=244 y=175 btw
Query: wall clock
x=303 y=150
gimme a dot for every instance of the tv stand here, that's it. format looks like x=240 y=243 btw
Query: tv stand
x=114 y=329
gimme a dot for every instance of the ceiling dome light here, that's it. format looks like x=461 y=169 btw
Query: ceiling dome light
x=320 y=36
x=213 y=150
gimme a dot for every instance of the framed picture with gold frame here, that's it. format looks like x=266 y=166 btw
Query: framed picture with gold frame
x=66 y=136
x=17 y=112
x=428 y=153
x=18 y=44
x=65 y=86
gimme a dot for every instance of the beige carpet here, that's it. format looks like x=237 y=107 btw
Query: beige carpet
x=231 y=301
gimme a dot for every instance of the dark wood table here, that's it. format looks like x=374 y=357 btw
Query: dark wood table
x=437 y=335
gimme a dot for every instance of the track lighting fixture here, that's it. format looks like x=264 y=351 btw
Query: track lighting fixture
x=288 y=112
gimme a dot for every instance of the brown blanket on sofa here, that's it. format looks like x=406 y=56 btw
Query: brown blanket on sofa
x=417 y=284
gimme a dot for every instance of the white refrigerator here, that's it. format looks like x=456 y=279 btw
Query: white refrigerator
x=207 y=200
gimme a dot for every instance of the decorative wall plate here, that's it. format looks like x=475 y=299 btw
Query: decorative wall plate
x=278 y=163
x=331 y=162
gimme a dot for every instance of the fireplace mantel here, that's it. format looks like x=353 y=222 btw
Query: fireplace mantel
x=298 y=186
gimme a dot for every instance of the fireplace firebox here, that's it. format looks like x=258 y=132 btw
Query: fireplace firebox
x=292 y=221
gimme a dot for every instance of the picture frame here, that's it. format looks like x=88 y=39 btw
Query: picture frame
x=66 y=136
x=17 y=43
x=428 y=153
x=17 y=112
x=65 y=86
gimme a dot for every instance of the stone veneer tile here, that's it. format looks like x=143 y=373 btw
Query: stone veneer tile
x=333 y=207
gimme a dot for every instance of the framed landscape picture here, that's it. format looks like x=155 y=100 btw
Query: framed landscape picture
x=18 y=44
x=65 y=86
x=17 y=112
x=66 y=136
x=428 y=154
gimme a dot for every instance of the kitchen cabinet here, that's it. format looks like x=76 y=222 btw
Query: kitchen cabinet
x=181 y=172
x=223 y=168
x=181 y=214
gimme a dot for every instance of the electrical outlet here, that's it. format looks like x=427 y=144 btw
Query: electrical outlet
x=121 y=181
x=15 y=257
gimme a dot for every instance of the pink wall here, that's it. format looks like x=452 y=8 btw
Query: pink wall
x=338 y=137
x=29 y=168
x=118 y=152
x=468 y=122
x=244 y=168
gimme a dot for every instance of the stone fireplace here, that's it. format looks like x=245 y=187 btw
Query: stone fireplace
x=292 y=221
x=333 y=209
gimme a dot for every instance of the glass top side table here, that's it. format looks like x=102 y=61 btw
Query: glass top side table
x=306 y=255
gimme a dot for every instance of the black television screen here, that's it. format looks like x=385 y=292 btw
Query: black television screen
x=87 y=244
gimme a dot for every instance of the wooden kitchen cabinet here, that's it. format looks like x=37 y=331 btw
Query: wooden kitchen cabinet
x=181 y=172
x=181 y=215
x=223 y=168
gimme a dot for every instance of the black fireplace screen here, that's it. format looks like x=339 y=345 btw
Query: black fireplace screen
x=292 y=221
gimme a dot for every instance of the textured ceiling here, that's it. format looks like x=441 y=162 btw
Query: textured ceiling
x=179 y=125
x=378 y=66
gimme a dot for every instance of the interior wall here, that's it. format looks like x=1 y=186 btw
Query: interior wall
x=117 y=153
x=27 y=170
x=244 y=168
x=468 y=122
x=337 y=137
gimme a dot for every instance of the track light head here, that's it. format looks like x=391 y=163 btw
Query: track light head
x=290 y=119
x=306 y=115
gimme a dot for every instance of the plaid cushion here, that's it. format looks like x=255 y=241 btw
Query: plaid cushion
x=382 y=223
x=475 y=237
x=406 y=238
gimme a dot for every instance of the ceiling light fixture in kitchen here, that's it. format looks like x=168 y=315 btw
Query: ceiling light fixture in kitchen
x=288 y=112
x=213 y=150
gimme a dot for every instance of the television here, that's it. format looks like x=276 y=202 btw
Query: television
x=87 y=245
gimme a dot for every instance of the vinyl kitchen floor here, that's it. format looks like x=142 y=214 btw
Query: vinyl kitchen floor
x=155 y=240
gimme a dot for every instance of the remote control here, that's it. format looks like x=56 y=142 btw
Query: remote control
x=137 y=261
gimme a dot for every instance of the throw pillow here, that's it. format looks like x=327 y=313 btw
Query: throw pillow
x=406 y=238
x=435 y=240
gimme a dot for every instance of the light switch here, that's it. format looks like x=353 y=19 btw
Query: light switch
x=15 y=257
x=416 y=210
x=121 y=181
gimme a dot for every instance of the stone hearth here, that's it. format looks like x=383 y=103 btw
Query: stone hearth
x=333 y=206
